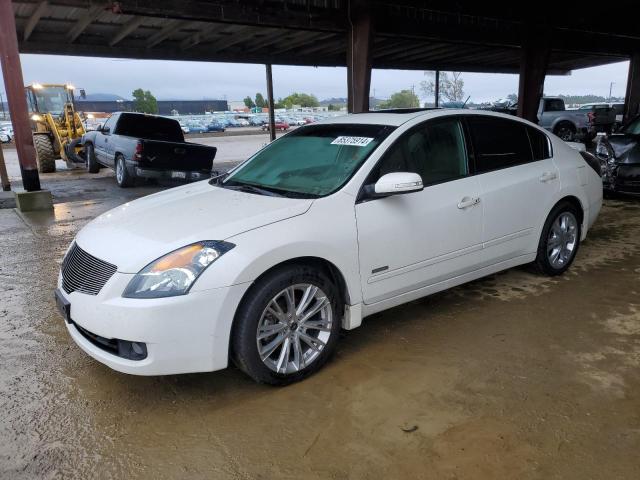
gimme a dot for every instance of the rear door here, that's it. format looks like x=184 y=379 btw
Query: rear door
x=518 y=180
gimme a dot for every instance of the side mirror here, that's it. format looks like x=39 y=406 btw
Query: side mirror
x=398 y=182
x=105 y=130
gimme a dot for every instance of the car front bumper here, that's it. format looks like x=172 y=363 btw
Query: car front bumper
x=181 y=334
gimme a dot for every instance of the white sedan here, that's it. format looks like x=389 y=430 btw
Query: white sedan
x=327 y=225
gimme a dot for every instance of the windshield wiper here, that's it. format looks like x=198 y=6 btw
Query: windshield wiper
x=245 y=187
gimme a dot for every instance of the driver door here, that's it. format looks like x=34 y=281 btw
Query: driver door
x=420 y=239
x=102 y=141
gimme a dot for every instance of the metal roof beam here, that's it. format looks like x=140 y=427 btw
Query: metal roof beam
x=165 y=32
x=90 y=16
x=34 y=19
x=126 y=29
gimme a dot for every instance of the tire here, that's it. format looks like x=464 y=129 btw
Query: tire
x=565 y=131
x=290 y=338
x=559 y=242
x=123 y=178
x=45 y=153
x=92 y=164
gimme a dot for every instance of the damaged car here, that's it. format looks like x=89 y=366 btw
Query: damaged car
x=619 y=156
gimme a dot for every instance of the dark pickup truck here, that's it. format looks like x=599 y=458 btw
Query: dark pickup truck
x=138 y=145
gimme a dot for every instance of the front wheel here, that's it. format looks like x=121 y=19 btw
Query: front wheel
x=123 y=178
x=287 y=326
x=559 y=240
x=90 y=155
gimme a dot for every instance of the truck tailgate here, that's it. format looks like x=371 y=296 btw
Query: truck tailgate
x=185 y=156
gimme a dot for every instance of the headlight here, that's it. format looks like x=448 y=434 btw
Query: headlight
x=36 y=118
x=175 y=273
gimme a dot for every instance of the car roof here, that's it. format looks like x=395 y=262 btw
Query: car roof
x=396 y=118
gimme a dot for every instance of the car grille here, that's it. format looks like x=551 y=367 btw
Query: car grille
x=84 y=273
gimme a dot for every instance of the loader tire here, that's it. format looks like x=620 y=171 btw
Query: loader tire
x=45 y=153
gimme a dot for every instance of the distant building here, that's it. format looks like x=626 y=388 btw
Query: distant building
x=165 y=107
x=238 y=106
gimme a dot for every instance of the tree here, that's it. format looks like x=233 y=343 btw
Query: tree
x=302 y=99
x=260 y=101
x=451 y=85
x=401 y=99
x=144 y=101
x=512 y=97
x=249 y=102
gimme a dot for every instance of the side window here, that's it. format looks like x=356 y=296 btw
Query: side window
x=498 y=142
x=110 y=123
x=435 y=150
x=554 y=105
x=540 y=144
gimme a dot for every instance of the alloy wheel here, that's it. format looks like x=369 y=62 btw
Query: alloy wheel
x=294 y=328
x=562 y=240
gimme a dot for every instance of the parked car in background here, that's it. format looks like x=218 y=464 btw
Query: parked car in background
x=614 y=115
x=184 y=127
x=215 y=127
x=602 y=117
x=256 y=121
x=243 y=122
x=323 y=227
x=279 y=125
x=196 y=128
x=619 y=155
x=569 y=125
x=5 y=137
x=138 y=145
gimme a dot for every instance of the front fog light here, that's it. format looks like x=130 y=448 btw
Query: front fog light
x=175 y=273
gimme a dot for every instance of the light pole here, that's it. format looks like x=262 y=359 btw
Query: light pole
x=610 y=88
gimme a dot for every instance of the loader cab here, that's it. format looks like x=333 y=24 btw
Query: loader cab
x=49 y=98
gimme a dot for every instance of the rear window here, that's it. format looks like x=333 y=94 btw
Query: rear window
x=149 y=127
x=498 y=143
x=540 y=144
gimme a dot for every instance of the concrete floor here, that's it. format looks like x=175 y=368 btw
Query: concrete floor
x=513 y=376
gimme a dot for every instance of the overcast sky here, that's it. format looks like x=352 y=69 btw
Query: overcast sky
x=197 y=80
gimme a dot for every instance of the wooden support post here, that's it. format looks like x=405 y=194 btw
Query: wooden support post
x=359 y=56
x=4 y=178
x=272 y=103
x=533 y=68
x=632 y=98
x=14 y=85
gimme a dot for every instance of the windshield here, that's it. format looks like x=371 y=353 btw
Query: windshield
x=312 y=161
x=51 y=99
x=633 y=127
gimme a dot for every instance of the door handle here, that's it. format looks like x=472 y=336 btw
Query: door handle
x=548 y=176
x=467 y=202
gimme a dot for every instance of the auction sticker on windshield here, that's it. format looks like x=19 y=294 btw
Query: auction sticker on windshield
x=353 y=141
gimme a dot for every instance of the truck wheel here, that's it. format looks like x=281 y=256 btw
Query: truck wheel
x=565 y=131
x=92 y=164
x=123 y=177
x=45 y=153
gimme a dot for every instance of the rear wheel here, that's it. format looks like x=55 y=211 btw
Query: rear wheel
x=45 y=153
x=92 y=164
x=287 y=326
x=559 y=240
x=123 y=178
x=565 y=131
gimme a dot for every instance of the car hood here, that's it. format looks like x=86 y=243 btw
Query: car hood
x=138 y=232
x=626 y=148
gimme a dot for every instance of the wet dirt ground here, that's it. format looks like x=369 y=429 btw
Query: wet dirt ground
x=513 y=376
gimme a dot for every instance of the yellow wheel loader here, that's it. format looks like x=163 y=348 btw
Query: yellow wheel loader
x=57 y=127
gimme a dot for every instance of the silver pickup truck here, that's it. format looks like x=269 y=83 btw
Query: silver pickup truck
x=569 y=125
